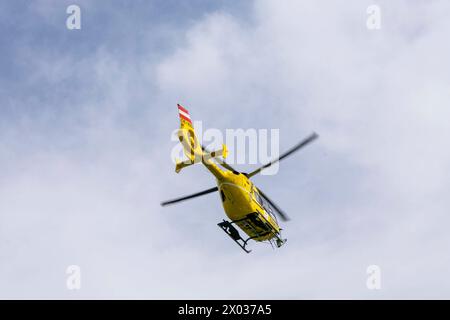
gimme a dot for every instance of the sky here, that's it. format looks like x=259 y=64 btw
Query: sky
x=85 y=147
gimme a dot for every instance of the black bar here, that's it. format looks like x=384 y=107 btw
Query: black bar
x=226 y=309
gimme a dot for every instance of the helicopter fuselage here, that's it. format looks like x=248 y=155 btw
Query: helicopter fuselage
x=243 y=205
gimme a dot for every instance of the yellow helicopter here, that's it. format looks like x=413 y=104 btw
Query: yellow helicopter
x=245 y=205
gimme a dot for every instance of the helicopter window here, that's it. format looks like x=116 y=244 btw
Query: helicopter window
x=267 y=207
x=259 y=199
x=222 y=195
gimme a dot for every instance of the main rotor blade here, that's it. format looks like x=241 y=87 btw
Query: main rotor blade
x=198 y=194
x=300 y=145
x=226 y=165
x=280 y=212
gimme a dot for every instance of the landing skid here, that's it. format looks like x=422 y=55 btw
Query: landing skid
x=230 y=230
x=233 y=233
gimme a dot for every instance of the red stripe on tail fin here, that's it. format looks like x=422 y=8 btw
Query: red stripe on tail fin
x=180 y=107
x=184 y=114
x=184 y=118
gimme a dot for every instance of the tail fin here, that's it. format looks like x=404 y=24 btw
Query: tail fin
x=187 y=137
x=185 y=117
